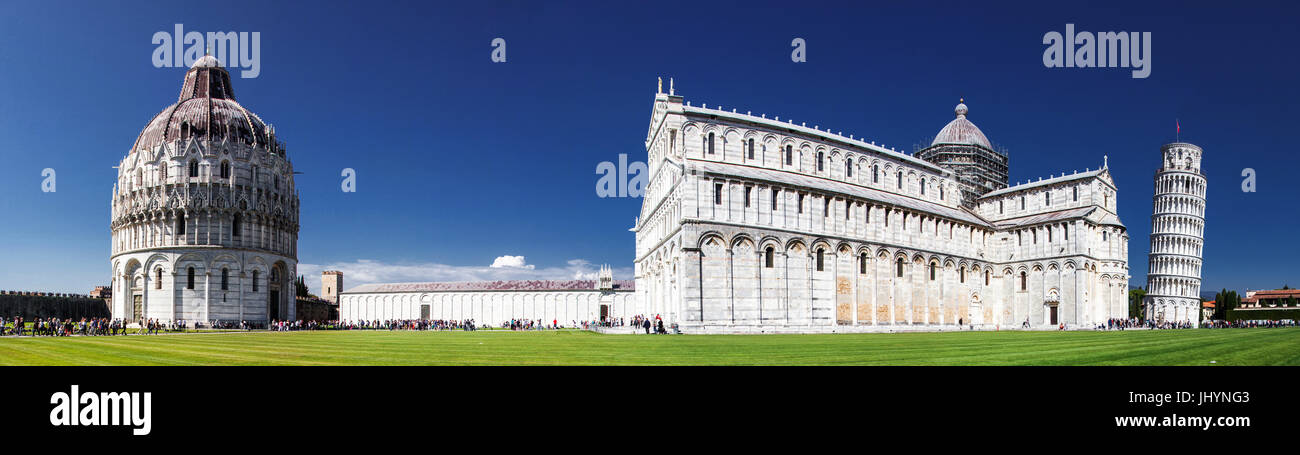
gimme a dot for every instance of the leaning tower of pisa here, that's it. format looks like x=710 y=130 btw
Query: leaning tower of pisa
x=1177 y=235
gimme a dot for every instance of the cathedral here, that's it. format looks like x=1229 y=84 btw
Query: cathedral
x=204 y=213
x=751 y=224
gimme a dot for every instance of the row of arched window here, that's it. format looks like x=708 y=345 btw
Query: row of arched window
x=863 y=263
x=748 y=151
x=189 y=279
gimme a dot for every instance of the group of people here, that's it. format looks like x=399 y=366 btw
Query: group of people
x=1251 y=324
x=1135 y=323
x=530 y=324
x=62 y=327
x=656 y=324
x=400 y=324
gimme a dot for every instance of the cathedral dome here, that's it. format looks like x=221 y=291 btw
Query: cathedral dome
x=961 y=131
x=206 y=110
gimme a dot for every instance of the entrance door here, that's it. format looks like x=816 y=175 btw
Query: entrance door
x=138 y=306
x=604 y=312
x=1054 y=321
x=424 y=312
x=273 y=307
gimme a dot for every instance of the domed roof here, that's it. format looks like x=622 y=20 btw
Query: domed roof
x=206 y=109
x=961 y=131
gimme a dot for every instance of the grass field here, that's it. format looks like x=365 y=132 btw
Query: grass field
x=1172 y=347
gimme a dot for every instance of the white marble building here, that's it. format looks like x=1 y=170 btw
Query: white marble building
x=756 y=224
x=1177 y=237
x=204 y=212
x=566 y=302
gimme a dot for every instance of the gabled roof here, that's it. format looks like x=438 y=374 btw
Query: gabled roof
x=1045 y=182
x=1047 y=217
x=509 y=285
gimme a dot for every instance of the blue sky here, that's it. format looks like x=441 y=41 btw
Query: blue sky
x=461 y=161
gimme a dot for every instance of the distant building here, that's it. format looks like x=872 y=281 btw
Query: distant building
x=102 y=292
x=1277 y=298
x=1207 y=310
x=331 y=284
x=494 y=302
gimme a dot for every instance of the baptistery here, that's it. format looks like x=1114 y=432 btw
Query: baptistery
x=204 y=213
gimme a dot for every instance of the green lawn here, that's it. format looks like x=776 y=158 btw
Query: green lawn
x=1173 y=347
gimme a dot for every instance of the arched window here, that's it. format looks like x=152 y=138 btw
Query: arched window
x=820 y=159
x=940 y=192
x=821 y=253
x=900 y=180
x=862 y=263
x=1065 y=228
x=875 y=173
x=848 y=168
x=899 y=265
x=1047 y=198
x=932 y=267
x=225 y=169
x=1076 y=194
x=189 y=279
x=225 y=279
x=987 y=274
x=1000 y=211
x=235 y=225
x=194 y=168
x=1105 y=236
x=710 y=144
x=1024 y=281
x=962 y=274
x=255 y=273
x=751 y=148
x=1022 y=202
x=789 y=155
x=180 y=224
x=162 y=172
x=768 y=257
x=157 y=279
x=923 y=187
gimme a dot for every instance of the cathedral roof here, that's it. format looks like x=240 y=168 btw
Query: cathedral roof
x=1044 y=182
x=509 y=285
x=206 y=109
x=961 y=131
x=1039 y=218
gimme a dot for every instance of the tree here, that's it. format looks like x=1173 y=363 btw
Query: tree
x=1225 y=301
x=300 y=286
x=1135 y=297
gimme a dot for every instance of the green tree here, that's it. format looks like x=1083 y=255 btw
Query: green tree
x=1224 y=302
x=300 y=286
x=1135 y=297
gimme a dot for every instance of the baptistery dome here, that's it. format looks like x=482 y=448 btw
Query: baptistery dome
x=205 y=213
x=206 y=109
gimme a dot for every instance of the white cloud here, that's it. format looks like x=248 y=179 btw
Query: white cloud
x=367 y=271
x=516 y=262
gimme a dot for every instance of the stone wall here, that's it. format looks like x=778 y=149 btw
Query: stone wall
x=30 y=307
